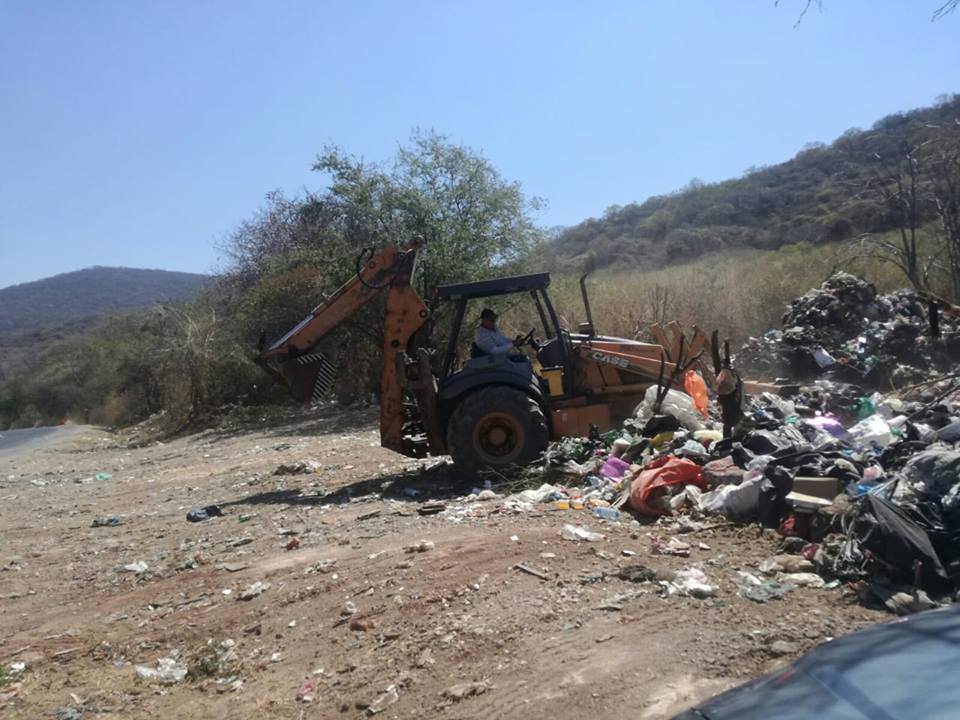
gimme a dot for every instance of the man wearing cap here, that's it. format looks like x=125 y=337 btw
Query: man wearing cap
x=488 y=338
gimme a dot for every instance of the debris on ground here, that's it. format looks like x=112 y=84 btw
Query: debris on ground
x=691 y=581
x=387 y=698
x=831 y=503
x=168 y=671
x=254 y=590
x=204 y=513
x=106 y=521
x=575 y=532
x=301 y=467
x=420 y=547
x=465 y=690
x=846 y=332
x=637 y=574
x=863 y=476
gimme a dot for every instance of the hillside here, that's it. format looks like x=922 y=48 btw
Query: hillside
x=35 y=314
x=821 y=195
x=90 y=292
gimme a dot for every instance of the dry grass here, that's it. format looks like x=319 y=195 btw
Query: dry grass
x=741 y=294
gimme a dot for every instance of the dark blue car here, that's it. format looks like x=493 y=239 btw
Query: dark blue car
x=902 y=670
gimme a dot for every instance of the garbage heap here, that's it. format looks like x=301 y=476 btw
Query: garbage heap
x=863 y=486
x=845 y=331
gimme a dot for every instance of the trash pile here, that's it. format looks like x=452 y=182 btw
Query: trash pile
x=846 y=332
x=863 y=486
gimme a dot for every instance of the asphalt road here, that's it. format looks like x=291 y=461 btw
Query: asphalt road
x=19 y=442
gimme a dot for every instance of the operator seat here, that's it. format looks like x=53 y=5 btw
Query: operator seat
x=550 y=353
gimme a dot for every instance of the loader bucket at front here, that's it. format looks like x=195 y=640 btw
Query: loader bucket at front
x=309 y=377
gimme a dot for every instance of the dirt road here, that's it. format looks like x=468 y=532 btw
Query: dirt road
x=20 y=442
x=354 y=620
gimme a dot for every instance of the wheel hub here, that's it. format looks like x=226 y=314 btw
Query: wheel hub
x=499 y=438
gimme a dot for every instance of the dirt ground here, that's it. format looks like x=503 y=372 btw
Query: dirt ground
x=577 y=642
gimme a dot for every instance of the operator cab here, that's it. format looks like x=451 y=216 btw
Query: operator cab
x=550 y=375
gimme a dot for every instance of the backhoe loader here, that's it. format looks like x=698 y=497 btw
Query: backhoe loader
x=488 y=411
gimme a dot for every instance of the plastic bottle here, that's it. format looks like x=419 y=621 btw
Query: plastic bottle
x=606 y=513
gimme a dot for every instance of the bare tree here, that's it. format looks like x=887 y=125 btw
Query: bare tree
x=941 y=12
x=945 y=9
x=945 y=188
x=898 y=183
x=189 y=351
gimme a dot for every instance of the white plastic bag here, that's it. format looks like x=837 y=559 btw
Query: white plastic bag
x=539 y=495
x=872 y=431
x=574 y=532
x=676 y=403
x=743 y=499
x=714 y=500
x=693 y=582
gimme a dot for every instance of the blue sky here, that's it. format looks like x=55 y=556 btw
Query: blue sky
x=140 y=134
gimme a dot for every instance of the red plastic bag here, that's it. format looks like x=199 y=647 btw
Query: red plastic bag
x=663 y=471
x=697 y=389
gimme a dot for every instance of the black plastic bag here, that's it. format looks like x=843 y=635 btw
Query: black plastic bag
x=898 y=540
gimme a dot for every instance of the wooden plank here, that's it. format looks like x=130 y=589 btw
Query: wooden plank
x=530 y=571
x=676 y=337
x=660 y=337
x=697 y=344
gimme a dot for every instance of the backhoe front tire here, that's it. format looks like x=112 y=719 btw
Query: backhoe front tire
x=495 y=428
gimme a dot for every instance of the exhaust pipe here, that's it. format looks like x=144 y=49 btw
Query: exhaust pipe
x=588 y=327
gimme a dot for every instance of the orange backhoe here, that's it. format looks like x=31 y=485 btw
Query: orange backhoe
x=488 y=410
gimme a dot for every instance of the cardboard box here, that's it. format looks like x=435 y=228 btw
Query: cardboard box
x=821 y=487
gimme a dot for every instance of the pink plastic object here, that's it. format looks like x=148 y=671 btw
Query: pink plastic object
x=614 y=468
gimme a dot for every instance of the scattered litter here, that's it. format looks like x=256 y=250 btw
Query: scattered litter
x=431 y=508
x=204 y=513
x=465 y=690
x=761 y=591
x=574 y=532
x=106 y=521
x=801 y=579
x=420 y=547
x=637 y=573
x=323 y=566
x=257 y=588
x=307 y=691
x=617 y=602
x=786 y=564
x=530 y=571
x=387 y=698
x=670 y=546
x=692 y=582
x=301 y=467
x=606 y=513
x=167 y=671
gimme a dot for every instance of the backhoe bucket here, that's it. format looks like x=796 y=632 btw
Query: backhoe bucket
x=309 y=377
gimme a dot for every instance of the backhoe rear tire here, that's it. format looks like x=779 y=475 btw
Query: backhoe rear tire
x=495 y=428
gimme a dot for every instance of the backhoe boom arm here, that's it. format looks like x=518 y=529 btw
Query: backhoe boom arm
x=294 y=358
